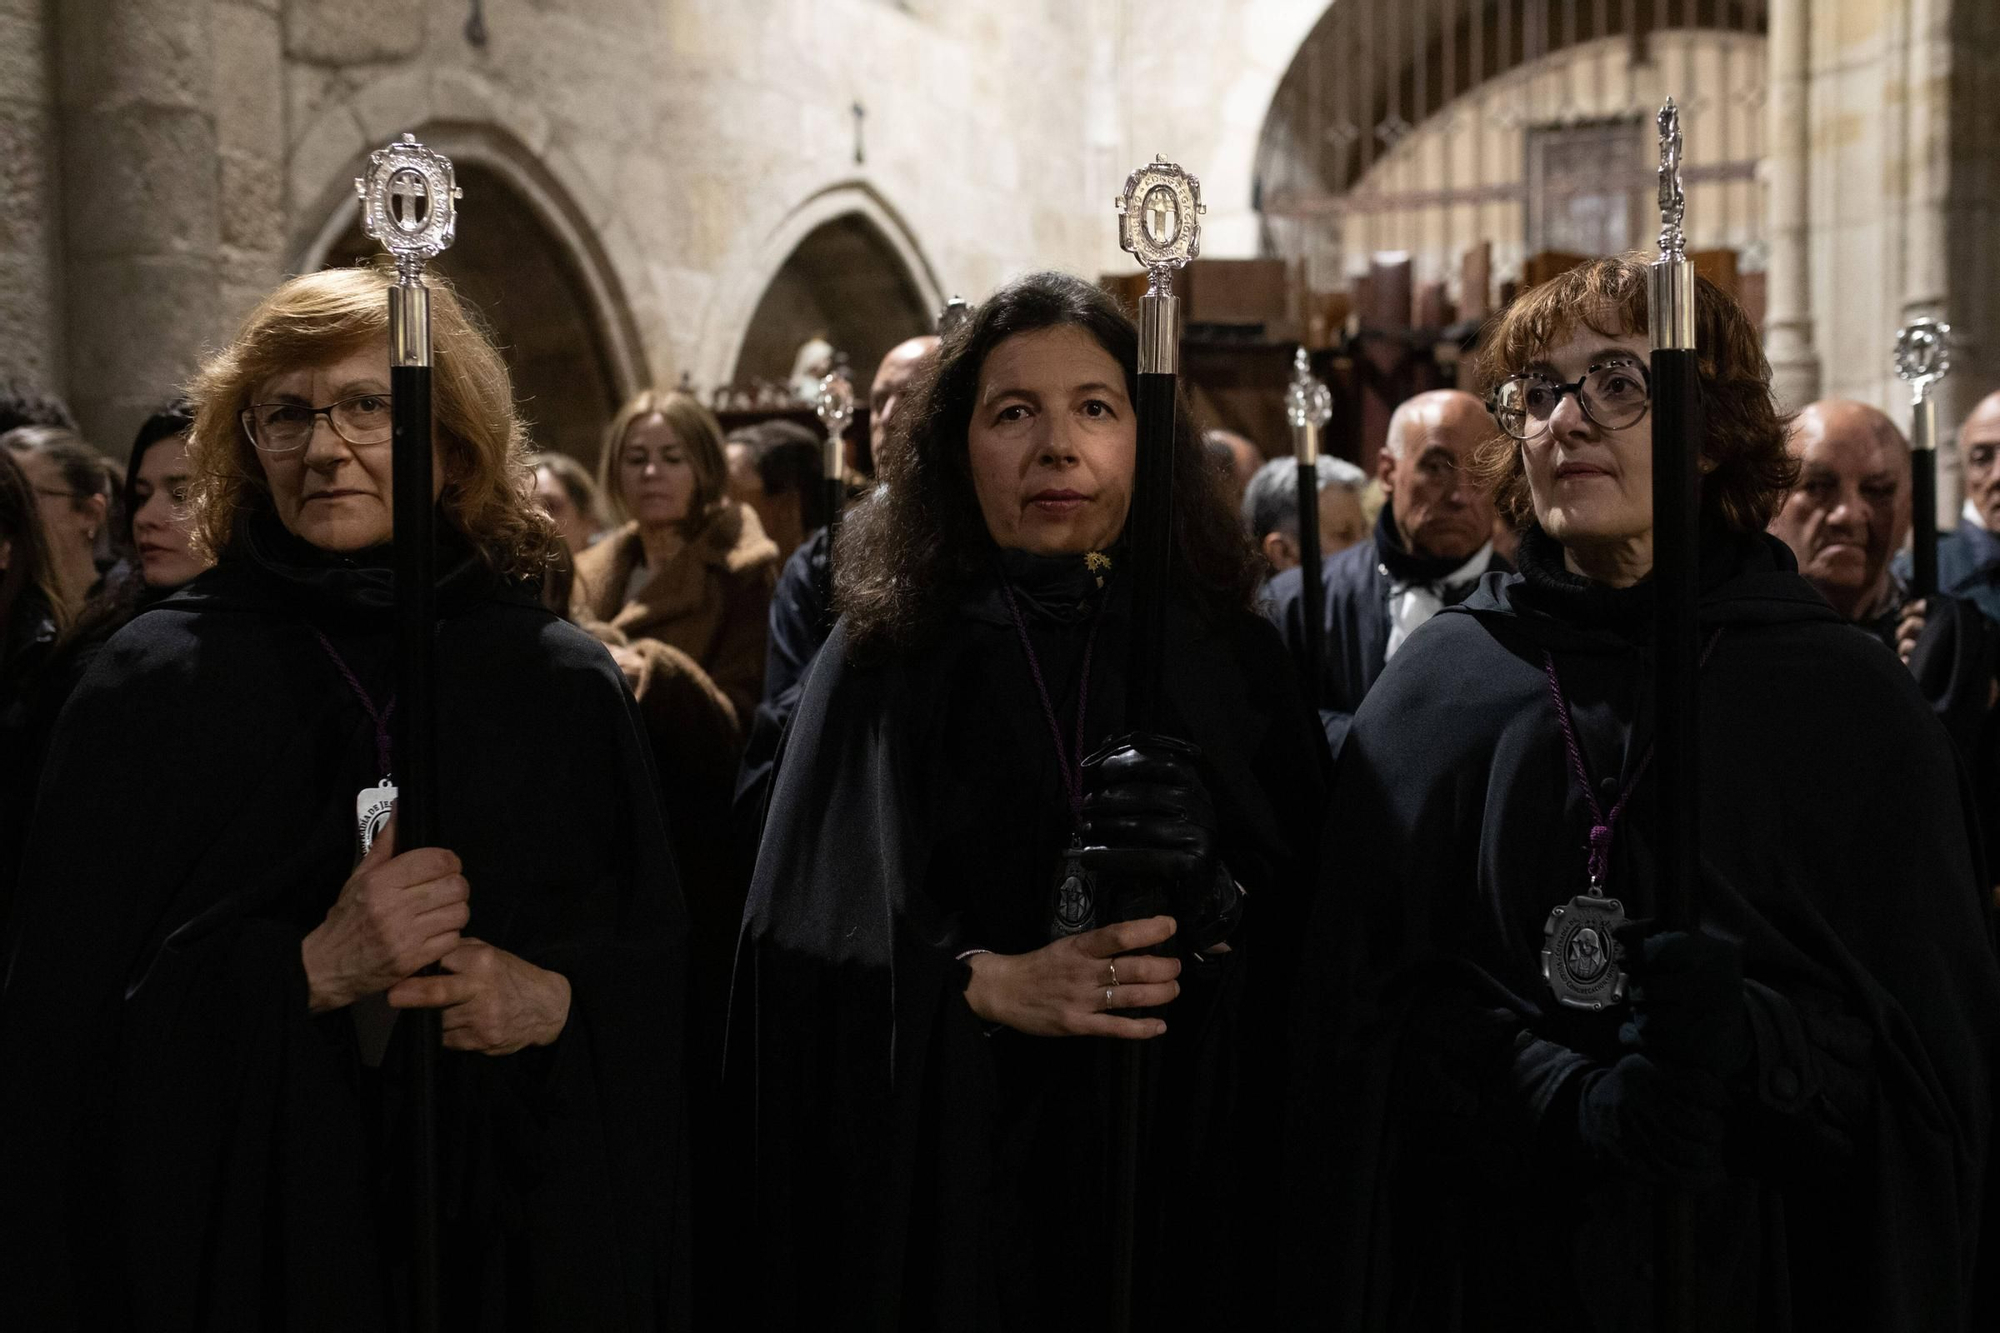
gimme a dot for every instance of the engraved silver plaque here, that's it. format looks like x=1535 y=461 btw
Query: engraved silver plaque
x=1159 y=217
x=409 y=202
x=1923 y=355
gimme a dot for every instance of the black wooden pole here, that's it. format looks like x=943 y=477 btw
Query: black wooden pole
x=1159 y=226
x=1677 y=435
x=835 y=409
x=409 y=203
x=1308 y=407
x=1923 y=357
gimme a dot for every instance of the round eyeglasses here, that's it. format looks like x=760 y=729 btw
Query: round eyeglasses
x=1613 y=395
x=283 y=428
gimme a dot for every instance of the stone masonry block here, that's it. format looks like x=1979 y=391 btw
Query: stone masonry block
x=353 y=32
x=140 y=182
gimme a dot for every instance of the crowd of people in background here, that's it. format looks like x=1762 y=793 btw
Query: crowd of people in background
x=657 y=637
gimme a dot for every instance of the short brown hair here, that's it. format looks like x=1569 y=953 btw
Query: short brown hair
x=698 y=432
x=319 y=317
x=1748 y=467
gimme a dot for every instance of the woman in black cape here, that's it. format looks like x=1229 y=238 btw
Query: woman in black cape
x=1499 y=1074
x=204 y=1103
x=927 y=932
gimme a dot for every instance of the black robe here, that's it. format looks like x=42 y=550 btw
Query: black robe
x=911 y=1170
x=1440 y=1180
x=186 y=1145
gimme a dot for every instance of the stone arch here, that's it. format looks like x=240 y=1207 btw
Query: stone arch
x=569 y=236
x=849 y=218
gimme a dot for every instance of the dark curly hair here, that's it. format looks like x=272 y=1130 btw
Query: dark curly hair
x=1748 y=468
x=906 y=553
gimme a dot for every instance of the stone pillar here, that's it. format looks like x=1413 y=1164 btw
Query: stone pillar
x=31 y=334
x=1788 y=324
x=141 y=202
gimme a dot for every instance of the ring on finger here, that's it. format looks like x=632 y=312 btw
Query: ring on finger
x=1112 y=964
x=1107 y=995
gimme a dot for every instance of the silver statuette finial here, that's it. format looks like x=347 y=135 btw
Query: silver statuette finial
x=409 y=202
x=1923 y=355
x=835 y=408
x=1308 y=402
x=1673 y=195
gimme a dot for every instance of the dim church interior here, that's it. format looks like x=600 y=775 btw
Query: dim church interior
x=670 y=192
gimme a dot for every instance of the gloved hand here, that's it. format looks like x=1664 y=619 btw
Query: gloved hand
x=1148 y=828
x=1688 y=1001
x=1654 y=1120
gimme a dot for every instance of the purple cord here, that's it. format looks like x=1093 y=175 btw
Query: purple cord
x=1602 y=823
x=380 y=719
x=1070 y=765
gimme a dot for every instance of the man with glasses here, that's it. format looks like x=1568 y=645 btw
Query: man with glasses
x=1432 y=544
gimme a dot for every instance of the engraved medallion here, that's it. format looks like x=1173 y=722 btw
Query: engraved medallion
x=408 y=201
x=1074 y=909
x=372 y=808
x=1159 y=216
x=1580 y=953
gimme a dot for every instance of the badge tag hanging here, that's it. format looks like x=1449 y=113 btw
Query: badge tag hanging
x=1075 y=895
x=372 y=808
x=1581 y=953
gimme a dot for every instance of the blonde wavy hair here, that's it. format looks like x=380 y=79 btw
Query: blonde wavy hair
x=698 y=433
x=321 y=317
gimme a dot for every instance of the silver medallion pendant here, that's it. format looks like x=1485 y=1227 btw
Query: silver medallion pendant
x=1074 y=907
x=372 y=808
x=1580 y=952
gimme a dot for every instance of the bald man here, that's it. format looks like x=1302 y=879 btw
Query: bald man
x=1236 y=462
x=1969 y=556
x=801 y=615
x=1432 y=544
x=1850 y=512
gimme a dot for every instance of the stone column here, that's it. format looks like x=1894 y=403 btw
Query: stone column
x=140 y=204
x=31 y=334
x=1788 y=323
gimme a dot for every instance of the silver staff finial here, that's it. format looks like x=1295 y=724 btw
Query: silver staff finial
x=956 y=311
x=835 y=406
x=1159 y=220
x=1673 y=197
x=409 y=202
x=1923 y=356
x=1308 y=402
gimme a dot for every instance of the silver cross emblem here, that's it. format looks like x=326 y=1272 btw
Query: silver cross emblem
x=409 y=200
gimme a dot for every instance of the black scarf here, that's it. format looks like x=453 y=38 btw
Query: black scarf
x=1408 y=569
x=319 y=582
x=1550 y=587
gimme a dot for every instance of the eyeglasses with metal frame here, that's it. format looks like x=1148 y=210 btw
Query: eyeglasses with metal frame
x=283 y=428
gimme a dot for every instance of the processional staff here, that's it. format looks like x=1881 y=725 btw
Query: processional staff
x=1677 y=439
x=1309 y=406
x=1159 y=225
x=1923 y=357
x=835 y=408
x=409 y=200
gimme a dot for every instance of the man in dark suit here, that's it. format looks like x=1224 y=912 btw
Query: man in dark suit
x=1432 y=544
x=1969 y=555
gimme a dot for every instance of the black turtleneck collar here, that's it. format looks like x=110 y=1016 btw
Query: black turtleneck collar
x=1063 y=589
x=1547 y=586
x=267 y=565
x=1404 y=566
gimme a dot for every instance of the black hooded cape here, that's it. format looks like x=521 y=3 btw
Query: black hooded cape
x=186 y=1146
x=910 y=1169
x=1434 y=1192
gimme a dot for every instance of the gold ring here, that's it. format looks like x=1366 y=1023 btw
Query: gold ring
x=1113 y=965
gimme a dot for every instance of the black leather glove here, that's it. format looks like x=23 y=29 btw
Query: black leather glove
x=1688 y=1001
x=1148 y=829
x=1654 y=1120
